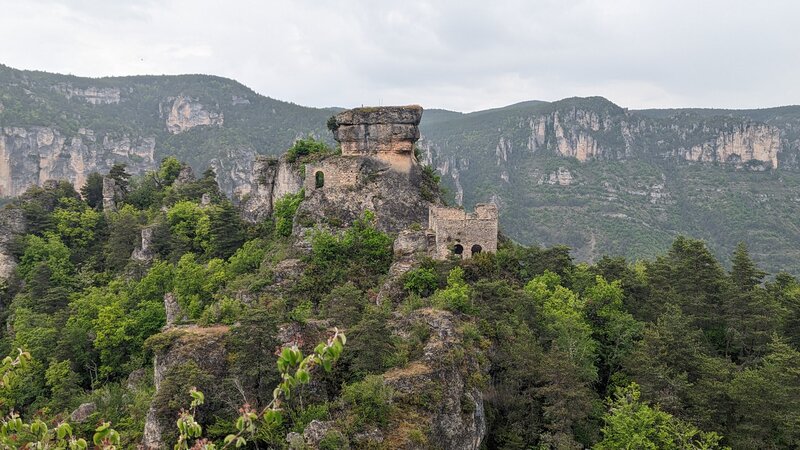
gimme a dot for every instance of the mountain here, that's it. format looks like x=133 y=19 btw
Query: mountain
x=581 y=171
x=57 y=126
x=605 y=180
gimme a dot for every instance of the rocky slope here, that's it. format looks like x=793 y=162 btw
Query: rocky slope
x=582 y=171
x=605 y=180
x=65 y=127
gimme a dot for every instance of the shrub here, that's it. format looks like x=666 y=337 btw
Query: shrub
x=226 y=311
x=284 y=212
x=370 y=402
x=306 y=147
x=457 y=295
x=420 y=281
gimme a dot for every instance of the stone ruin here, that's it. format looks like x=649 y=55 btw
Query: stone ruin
x=377 y=171
x=384 y=133
x=453 y=231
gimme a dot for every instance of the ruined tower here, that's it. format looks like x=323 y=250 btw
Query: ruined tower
x=453 y=231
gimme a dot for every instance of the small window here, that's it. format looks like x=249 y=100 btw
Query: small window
x=319 y=180
x=458 y=249
x=476 y=249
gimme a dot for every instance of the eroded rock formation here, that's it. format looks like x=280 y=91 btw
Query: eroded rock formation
x=187 y=113
x=31 y=155
x=387 y=133
x=12 y=225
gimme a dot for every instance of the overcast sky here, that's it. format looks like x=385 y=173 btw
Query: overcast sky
x=462 y=55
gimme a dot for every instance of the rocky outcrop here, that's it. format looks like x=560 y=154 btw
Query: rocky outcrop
x=387 y=133
x=173 y=310
x=562 y=177
x=745 y=143
x=456 y=420
x=273 y=179
x=12 y=225
x=187 y=113
x=111 y=194
x=409 y=248
x=200 y=348
x=83 y=412
x=144 y=252
x=30 y=156
x=93 y=95
x=353 y=186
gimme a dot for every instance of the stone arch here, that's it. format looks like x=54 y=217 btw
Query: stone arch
x=319 y=179
x=476 y=249
x=458 y=249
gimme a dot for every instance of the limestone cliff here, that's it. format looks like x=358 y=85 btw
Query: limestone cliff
x=187 y=113
x=12 y=225
x=744 y=143
x=32 y=155
x=272 y=179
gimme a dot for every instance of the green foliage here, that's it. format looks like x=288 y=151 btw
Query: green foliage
x=456 y=296
x=631 y=423
x=305 y=148
x=361 y=254
x=421 y=281
x=551 y=338
x=48 y=253
x=169 y=170
x=75 y=222
x=92 y=190
x=370 y=402
x=284 y=211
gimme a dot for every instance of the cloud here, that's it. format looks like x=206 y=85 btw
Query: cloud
x=463 y=55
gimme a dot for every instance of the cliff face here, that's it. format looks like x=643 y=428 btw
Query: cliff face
x=186 y=113
x=30 y=156
x=12 y=225
x=64 y=127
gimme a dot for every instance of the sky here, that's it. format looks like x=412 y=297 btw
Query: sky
x=462 y=55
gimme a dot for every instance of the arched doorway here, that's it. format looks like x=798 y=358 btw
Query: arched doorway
x=319 y=179
x=476 y=249
x=458 y=249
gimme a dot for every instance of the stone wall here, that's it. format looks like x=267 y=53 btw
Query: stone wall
x=453 y=230
x=336 y=173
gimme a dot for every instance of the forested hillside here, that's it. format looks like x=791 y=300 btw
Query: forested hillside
x=582 y=172
x=525 y=348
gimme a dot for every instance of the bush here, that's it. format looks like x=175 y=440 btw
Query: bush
x=456 y=296
x=370 y=402
x=284 y=212
x=226 y=311
x=420 y=281
x=306 y=147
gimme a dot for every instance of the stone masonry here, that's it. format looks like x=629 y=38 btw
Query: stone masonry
x=455 y=231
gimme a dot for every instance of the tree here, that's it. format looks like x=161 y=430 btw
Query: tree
x=676 y=369
x=631 y=423
x=120 y=176
x=751 y=314
x=744 y=273
x=123 y=235
x=226 y=230
x=615 y=329
x=568 y=365
x=92 y=190
x=169 y=170
x=767 y=401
